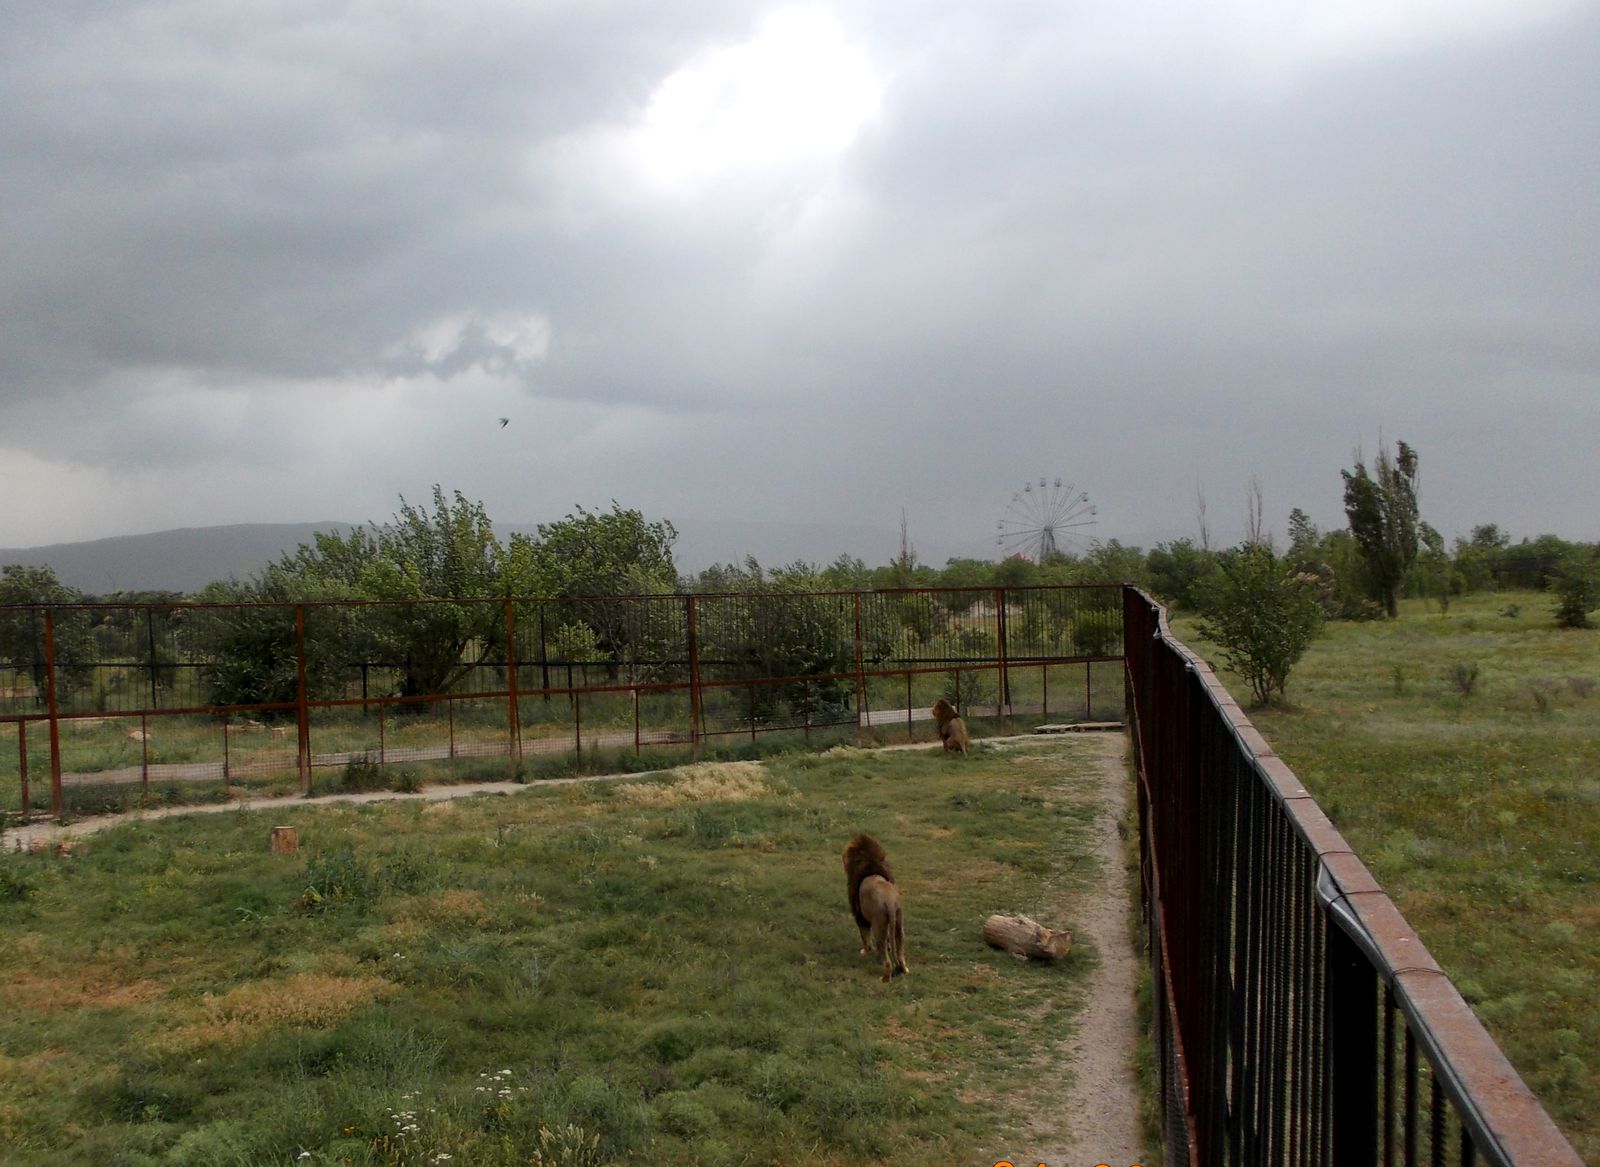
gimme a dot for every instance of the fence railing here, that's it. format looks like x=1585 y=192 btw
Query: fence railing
x=98 y=695
x=1298 y=1019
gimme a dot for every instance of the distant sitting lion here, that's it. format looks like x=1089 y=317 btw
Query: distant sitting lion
x=875 y=903
x=952 y=730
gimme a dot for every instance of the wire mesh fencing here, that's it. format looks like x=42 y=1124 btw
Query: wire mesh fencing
x=142 y=697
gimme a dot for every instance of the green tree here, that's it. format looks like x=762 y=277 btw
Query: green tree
x=1382 y=510
x=780 y=627
x=439 y=557
x=248 y=646
x=1177 y=569
x=1112 y=562
x=22 y=641
x=448 y=557
x=621 y=555
x=1263 y=616
x=1478 y=557
x=1433 y=573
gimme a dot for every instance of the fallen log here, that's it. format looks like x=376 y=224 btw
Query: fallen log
x=1026 y=938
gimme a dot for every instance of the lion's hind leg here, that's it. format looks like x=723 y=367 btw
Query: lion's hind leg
x=900 y=941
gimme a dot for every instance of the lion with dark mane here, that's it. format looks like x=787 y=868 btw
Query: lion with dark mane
x=952 y=730
x=875 y=903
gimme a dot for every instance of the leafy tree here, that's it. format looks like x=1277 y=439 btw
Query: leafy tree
x=1532 y=563
x=847 y=573
x=22 y=645
x=782 y=629
x=1382 y=510
x=595 y=554
x=1305 y=540
x=1262 y=615
x=1433 y=573
x=1177 y=569
x=444 y=557
x=1112 y=562
x=249 y=647
x=1478 y=557
x=619 y=554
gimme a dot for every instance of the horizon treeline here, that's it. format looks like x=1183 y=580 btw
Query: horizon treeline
x=453 y=552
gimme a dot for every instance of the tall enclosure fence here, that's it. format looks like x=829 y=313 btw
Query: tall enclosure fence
x=110 y=699
x=1298 y=1019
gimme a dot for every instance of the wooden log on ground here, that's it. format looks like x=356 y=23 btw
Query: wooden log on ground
x=285 y=840
x=1025 y=937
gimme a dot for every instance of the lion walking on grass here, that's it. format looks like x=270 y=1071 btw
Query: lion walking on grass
x=875 y=903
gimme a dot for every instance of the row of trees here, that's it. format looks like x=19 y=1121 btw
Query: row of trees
x=1260 y=603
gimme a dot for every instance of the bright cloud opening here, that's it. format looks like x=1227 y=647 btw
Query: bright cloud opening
x=798 y=90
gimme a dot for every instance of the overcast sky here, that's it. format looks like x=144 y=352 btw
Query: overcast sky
x=808 y=263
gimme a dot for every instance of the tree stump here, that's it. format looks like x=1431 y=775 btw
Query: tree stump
x=285 y=840
x=1027 y=938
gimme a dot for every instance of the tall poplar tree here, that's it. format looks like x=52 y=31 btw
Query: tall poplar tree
x=1382 y=509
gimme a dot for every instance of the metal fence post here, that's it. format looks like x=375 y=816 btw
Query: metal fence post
x=22 y=767
x=1004 y=687
x=513 y=712
x=57 y=804
x=861 y=680
x=302 y=711
x=1352 y=1079
x=691 y=615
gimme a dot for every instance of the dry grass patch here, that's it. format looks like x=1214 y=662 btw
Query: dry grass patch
x=312 y=1000
x=703 y=782
x=90 y=986
x=453 y=907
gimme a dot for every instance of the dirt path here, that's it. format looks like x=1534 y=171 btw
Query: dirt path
x=1092 y=1113
x=1101 y=1108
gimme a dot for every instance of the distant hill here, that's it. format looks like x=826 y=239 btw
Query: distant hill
x=186 y=560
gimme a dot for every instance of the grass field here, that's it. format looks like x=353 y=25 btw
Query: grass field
x=651 y=971
x=1459 y=752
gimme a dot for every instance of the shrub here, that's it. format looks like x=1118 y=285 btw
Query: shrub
x=1463 y=678
x=362 y=774
x=1577 y=588
x=1262 y=616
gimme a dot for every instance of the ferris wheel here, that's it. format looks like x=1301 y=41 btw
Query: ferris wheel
x=1041 y=516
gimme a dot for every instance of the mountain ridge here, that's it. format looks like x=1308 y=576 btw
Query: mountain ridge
x=186 y=559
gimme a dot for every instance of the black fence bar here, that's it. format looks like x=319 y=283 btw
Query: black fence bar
x=1314 y=1026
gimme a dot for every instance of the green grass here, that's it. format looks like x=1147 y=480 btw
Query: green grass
x=1459 y=753
x=610 y=972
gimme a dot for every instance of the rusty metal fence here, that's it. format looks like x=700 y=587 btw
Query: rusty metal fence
x=97 y=697
x=1298 y=1019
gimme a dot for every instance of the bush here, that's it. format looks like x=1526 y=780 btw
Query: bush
x=1262 y=616
x=1577 y=588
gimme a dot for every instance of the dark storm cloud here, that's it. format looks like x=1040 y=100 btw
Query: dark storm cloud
x=1160 y=250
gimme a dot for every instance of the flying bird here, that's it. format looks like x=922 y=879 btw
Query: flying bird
x=504 y=421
